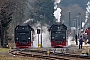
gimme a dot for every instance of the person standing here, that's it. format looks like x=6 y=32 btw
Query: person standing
x=76 y=39
x=80 y=42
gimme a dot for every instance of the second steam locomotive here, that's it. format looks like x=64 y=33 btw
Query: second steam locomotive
x=58 y=34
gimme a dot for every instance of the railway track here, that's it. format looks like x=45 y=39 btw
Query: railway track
x=45 y=55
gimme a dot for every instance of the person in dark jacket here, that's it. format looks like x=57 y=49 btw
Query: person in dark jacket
x=80 y=42
x=76 y=39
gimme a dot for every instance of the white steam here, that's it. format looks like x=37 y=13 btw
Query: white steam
x=45 y=36
x=69 y=40
x=57 y=12
x=55 y=3
x=87 y=12
x=28 y=20
x=83 y=23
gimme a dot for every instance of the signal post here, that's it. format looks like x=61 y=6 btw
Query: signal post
x=38 y=32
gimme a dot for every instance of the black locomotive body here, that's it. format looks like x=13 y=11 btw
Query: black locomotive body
x=58 y=34
x=23 y=36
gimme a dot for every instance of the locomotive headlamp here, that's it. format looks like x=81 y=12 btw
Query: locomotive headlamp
x=52 y=37
x=22 y=28
x=29 y=38
x=63 y=37
x=17 y=38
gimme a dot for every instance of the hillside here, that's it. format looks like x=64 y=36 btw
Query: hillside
x=81 y=3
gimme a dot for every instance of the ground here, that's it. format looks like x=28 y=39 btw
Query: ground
x=4 y=55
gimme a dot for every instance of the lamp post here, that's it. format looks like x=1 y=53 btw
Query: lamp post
x=41 y=29
x=77 y=24
x=69 y=24
x=69 y=20
x=80 y=20
x=41 y=35
x=74 y=25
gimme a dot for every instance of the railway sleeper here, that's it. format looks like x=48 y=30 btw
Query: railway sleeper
x=46 y=57
x=28 y=55
x=57 y=57
x=85 y=57
x=37 y=56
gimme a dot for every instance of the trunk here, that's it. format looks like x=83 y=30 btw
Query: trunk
x=0 y=42
x=4 y=39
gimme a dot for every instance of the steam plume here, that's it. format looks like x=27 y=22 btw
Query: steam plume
x=55 y=3
x=28 y=20
x=57 y=12
x=45 y=36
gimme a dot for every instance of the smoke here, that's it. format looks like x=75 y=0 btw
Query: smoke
x=55 y=3
x=45 y=36
x=57 y=12
x=87 y=12
x=73 y=28
x=69 y=40
x=83 y=23
x=27 y=21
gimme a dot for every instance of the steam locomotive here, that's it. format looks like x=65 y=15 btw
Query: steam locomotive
x=58 y=34
x=23 y=36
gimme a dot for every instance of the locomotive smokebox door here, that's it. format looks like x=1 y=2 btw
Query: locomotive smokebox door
x=38 y=31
